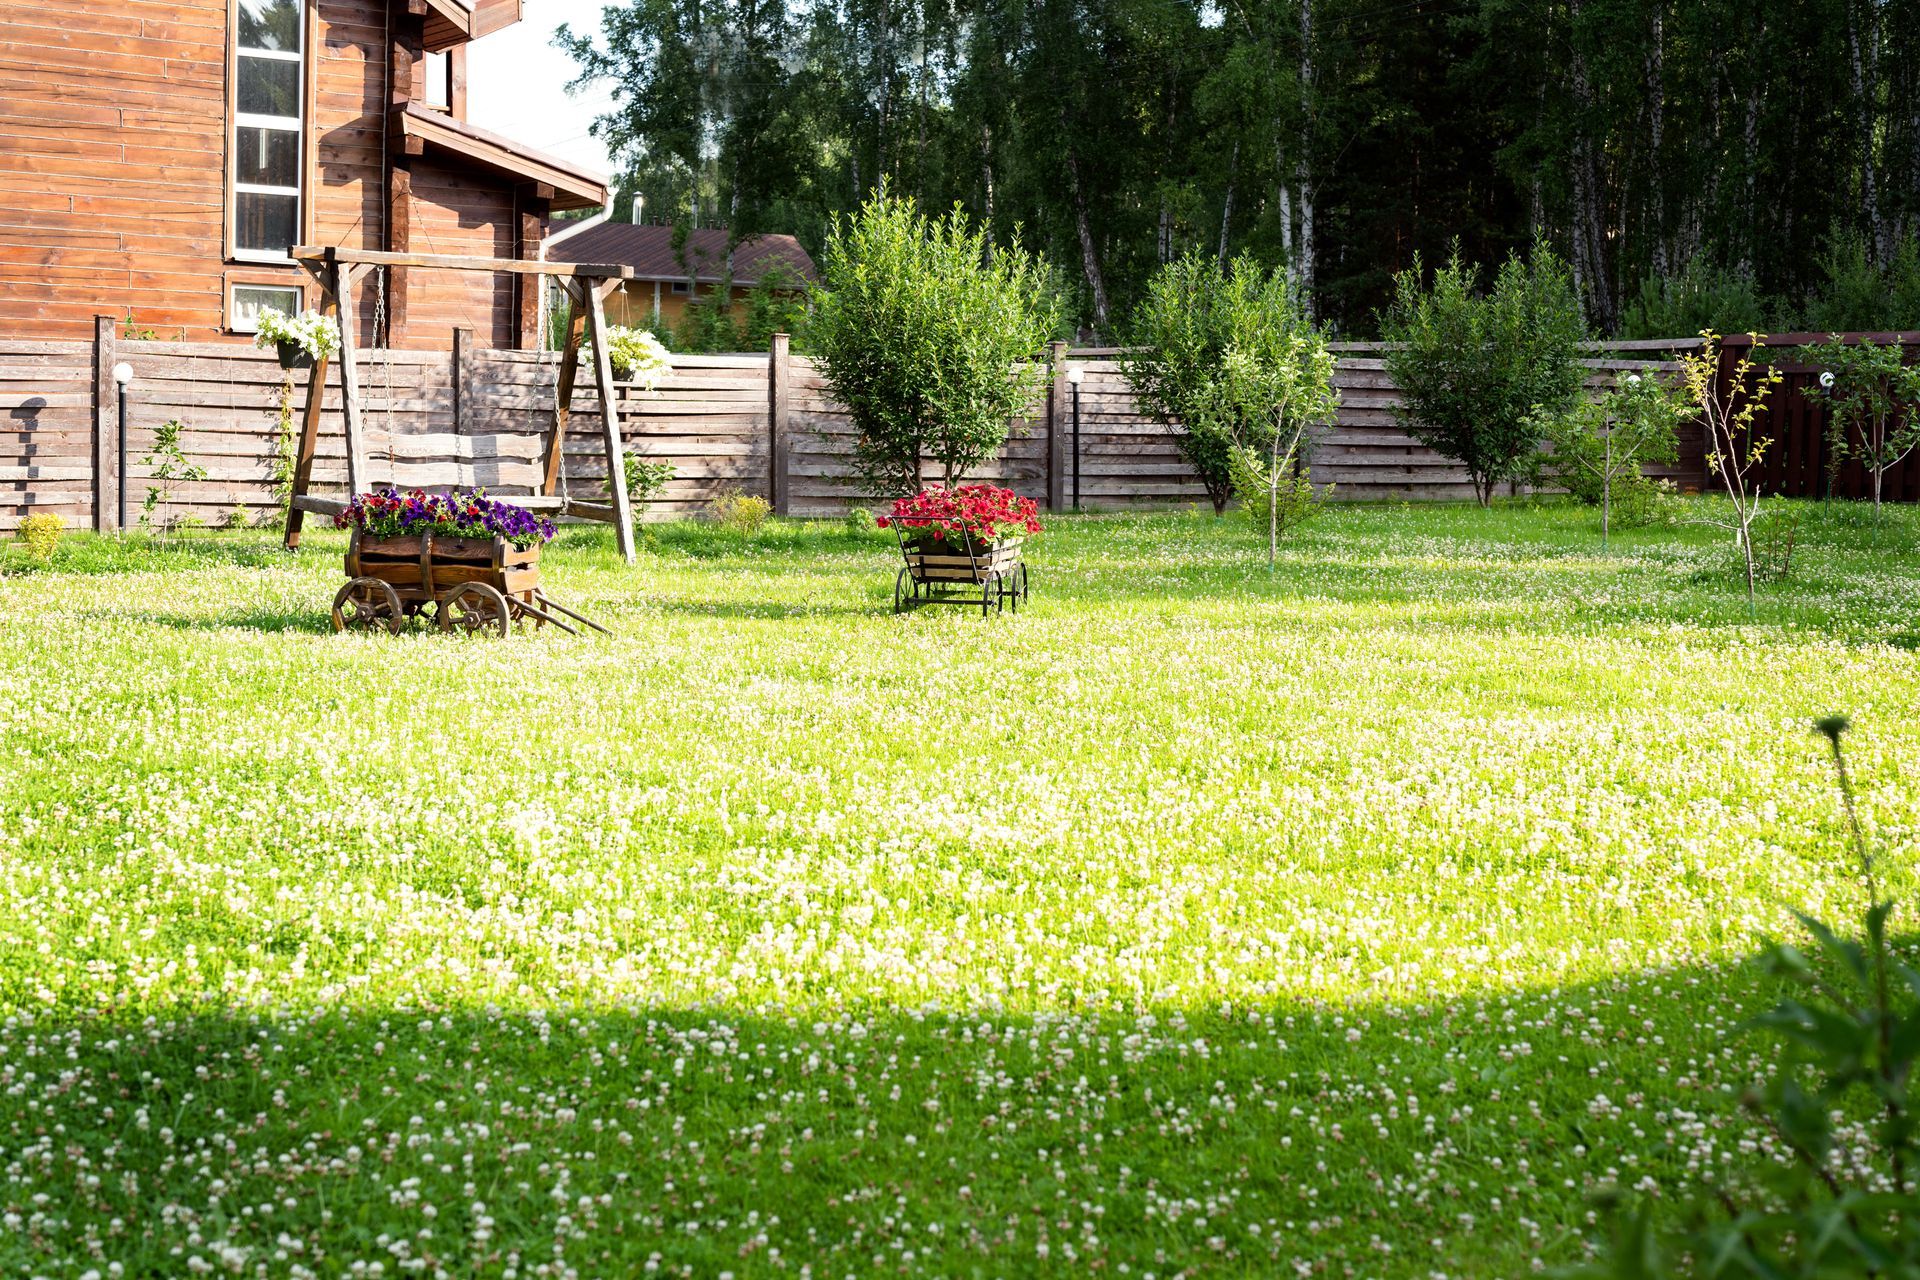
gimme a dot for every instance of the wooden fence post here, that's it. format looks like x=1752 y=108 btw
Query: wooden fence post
x=779 y=442
x=106 y=428
x=1056 y=427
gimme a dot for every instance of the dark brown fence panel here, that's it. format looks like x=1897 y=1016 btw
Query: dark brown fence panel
x=1797 y=461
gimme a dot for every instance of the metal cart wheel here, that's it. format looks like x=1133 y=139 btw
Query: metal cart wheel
x=1026 y=581
x=989 y=596
x=905 y=590
x=368 y=604
x=474 y=608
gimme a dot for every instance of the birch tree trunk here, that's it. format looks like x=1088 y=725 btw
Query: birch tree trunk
x=1226 y=209
x=1301 y=252
x=1656 y=138
x=1589 y=232
x=1089 y=257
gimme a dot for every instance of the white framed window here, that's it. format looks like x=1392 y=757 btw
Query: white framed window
x=269 y=97
x=245 y=302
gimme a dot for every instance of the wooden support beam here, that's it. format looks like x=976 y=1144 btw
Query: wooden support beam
x=610 y=417
x=461 y=262
x=357 y=477
x=309 y=445
x=563 y=395
x=399 y=240
x=462 y=348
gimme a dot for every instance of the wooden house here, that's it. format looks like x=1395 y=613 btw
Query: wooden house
x=158 y=158
x=667 y=277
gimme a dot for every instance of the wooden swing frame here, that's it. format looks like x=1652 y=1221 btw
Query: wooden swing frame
x=586 y=285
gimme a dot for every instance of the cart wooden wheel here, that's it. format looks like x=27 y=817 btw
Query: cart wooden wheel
x=368 y=604
x=474 y=608
x=904 y=590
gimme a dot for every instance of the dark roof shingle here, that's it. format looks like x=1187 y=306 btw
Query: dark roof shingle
x=649 y=251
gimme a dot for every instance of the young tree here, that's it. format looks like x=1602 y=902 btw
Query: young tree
x=1474 y=369
x=1600 y=445
x=1874 y=397
x=1282 y=381
x=1196 y=312
x=929 y=340
x=1734 y=449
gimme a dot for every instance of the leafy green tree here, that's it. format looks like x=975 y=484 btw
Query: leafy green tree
x=929 y=340
x=1873 y=395
x=1279 y=382
x=1475 y=370
x=777 y=303
x=1196 y=313
x=1729 y=410
x=1599 y=445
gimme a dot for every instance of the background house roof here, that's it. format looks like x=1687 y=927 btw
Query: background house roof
x=649 y=251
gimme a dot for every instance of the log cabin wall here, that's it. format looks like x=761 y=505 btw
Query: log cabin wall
x=114 y=187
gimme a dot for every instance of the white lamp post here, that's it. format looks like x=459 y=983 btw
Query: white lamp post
x=1075 y=376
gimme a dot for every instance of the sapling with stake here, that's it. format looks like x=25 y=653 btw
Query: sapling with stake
x=1734 y=448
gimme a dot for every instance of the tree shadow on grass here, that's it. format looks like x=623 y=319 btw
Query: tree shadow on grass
x=313 y=622
x=1461 y=1137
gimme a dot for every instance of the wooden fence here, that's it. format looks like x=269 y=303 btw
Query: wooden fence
x=754 y=423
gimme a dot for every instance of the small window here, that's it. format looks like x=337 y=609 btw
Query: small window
x=439 y=90
x=245 y=302
x=269 y=118
x=680 y=286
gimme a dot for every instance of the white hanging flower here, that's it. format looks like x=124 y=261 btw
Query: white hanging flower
x=637 y=355
x=316 y=334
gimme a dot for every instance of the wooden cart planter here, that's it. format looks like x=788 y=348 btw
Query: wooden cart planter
x=950 y=572
x=470 y=585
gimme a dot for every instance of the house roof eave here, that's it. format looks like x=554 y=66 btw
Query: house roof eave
x=416 y=128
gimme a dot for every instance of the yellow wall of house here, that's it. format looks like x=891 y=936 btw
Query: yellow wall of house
x=633 y=304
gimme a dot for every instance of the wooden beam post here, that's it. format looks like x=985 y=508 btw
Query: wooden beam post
x=610 y=417
x=457 y=375
x=309 y=445
x=563 y=396
x=106 y=427
x=357 y=476
x=1057 y=427
x=779 y=442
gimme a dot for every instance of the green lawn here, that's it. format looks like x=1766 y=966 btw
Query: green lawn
x=1357 y=919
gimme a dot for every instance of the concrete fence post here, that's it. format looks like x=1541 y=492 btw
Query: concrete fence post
x=106 y=427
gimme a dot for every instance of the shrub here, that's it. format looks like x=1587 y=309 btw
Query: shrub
x=742 y=513
x=168 y=467
x=637 y=355
x=1474 y=370
x=1195 y=312
x=1276 y=499
x=1698 y=296
x=928 y=339
x=646 y=481
x=861 y=520
x=1859 y=294
x=41 y=532
x=1599 y=446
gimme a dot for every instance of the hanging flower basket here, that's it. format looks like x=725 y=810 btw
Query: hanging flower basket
x=292 y=355
x=298 y=340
